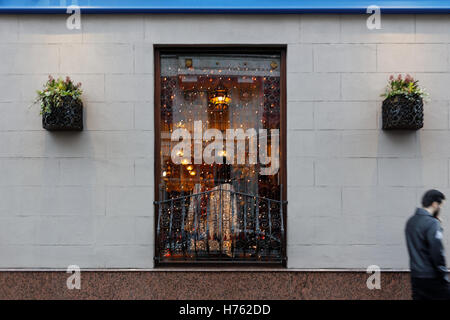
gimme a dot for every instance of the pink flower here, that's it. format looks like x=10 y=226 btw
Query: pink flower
x=399 y=78
x=409 y=79
x=391 y=77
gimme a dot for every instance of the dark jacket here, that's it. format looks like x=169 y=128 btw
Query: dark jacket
x=426 y=252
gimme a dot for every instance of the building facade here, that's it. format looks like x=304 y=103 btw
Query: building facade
x=87 y=198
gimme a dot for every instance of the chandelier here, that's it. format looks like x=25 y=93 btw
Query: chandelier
x=219 y=98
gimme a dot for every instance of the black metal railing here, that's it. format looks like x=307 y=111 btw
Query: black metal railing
x=220 y=225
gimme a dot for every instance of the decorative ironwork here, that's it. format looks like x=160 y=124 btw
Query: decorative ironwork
x=167 y=95
x=220 y=225
x=271 y=115
x=401 y=112
x=68 y=116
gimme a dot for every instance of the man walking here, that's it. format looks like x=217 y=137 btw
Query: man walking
x=429 y=278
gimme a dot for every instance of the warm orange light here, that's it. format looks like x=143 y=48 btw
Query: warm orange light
x=184 y=161
x=219 y=98
x=192 y=173
x=189 y=168
x=180 y=124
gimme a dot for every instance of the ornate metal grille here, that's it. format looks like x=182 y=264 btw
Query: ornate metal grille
x=401 y=112
x=220 y=225
x=69 y=116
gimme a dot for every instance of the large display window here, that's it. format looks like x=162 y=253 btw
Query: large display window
x=220 y=155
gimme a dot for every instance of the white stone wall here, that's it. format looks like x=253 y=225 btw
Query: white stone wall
x=86 y=198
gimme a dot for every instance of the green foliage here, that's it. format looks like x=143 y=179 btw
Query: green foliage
x=56 y=92
x=407 y=87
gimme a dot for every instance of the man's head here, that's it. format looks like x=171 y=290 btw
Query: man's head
x=433 y=200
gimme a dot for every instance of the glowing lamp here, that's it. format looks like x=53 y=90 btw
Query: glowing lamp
x=219 y=98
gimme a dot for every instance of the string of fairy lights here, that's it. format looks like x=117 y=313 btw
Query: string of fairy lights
x=222 y=98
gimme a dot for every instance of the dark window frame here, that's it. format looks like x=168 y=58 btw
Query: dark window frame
x=243 y=49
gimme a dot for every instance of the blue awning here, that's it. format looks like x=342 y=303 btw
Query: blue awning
x=223 y=6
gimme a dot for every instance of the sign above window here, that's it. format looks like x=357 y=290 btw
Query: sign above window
x=224 y=6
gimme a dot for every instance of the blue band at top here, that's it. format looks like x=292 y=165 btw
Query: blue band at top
x=223 y=6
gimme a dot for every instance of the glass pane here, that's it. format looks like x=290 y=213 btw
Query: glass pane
x=219 y=159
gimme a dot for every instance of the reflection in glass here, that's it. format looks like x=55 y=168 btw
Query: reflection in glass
x=215 y=212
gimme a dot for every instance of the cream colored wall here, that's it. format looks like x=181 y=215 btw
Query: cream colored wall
x=86 y=198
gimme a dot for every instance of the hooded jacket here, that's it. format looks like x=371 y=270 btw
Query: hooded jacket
x=425 y=248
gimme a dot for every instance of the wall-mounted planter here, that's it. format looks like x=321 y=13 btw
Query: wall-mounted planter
x=401 y=112
x=67 y=117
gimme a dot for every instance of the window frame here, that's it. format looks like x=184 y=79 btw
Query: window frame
x=199 y=49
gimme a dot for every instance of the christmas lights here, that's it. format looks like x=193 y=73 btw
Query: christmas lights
x=223 y=208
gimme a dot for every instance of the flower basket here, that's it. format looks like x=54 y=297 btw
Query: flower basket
x=403 y=105
x=68 y=116
x=61 y=106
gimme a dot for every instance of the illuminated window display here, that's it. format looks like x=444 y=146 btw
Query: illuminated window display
x=220 y=181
